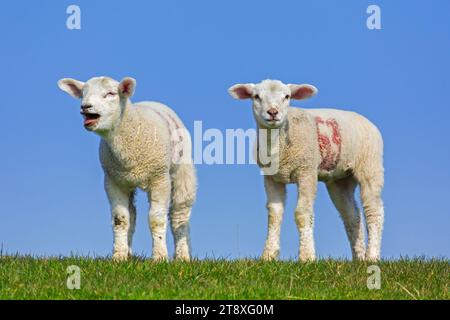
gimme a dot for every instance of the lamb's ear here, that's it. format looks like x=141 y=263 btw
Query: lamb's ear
x=302 y=91
x=126 y=87
x=242 y=91
x=72 y=87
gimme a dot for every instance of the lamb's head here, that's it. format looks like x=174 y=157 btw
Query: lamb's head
x=102 y=100
x=271 y=99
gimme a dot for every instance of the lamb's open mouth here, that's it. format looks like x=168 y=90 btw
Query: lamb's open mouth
x=90 y=119
x=272 y=121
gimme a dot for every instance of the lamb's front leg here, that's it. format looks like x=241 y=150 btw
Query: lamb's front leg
x=159 y=196
x=276 y=195
x=304 y=216
x=119 y=199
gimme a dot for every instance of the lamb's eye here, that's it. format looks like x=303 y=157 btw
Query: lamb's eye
x=257 y=97
x=287 y=97
x=110 y=94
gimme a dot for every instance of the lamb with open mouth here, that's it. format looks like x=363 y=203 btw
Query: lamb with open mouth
x=137 y=151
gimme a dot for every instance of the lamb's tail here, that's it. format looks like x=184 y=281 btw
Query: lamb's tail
x=184 y=186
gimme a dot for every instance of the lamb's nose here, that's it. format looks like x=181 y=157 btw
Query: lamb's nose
x=272 y=112
x=85 y=107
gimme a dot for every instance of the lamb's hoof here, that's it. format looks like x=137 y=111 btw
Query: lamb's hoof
x=374 y=258
x=119 y=257
x=304 y=258
x=270 y=255
x=182 y=257
x=359 y=257
x=307 y=259
x=160 y=258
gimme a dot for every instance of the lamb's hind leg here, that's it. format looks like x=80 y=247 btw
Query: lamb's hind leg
x=132 y=208
x=183 y=195
x=179 y=219
x=374 y=212
x=342 y=193
x=159 y=196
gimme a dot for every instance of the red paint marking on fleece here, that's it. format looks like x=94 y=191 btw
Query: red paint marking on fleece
x=330 y=142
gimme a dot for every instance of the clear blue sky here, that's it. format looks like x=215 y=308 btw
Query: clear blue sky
x=186 y=54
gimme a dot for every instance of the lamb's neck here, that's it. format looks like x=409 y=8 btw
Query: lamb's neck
x=270 y=143
x=121 y=137
x=272 y=132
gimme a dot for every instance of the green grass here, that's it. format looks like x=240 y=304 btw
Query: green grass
x=40 y=278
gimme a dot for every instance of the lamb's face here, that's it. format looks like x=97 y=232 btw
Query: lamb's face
x=100 y=104
x=102 y=100
x=270 y=103
x=271 y=99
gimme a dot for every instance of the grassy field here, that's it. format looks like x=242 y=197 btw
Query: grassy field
x=32 y=278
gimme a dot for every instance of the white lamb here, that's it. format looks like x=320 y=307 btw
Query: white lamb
x=143 y=145
x=341 y=148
